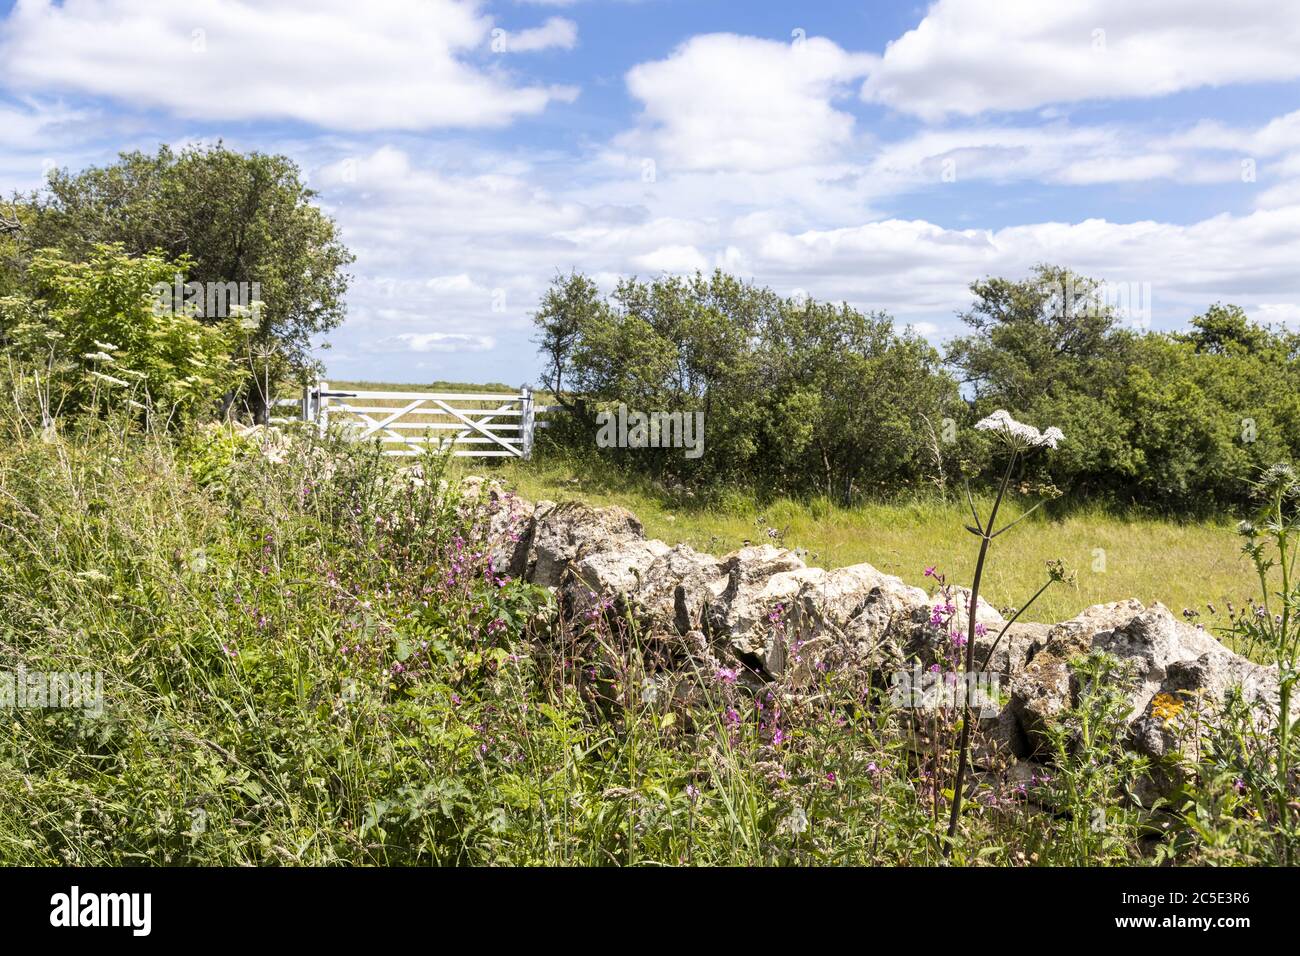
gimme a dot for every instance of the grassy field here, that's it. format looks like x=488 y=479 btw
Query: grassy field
x=1180 y=564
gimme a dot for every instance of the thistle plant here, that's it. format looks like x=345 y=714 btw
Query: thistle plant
x=1275 y=624
x=1019 y=440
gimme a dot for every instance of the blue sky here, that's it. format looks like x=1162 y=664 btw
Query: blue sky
x=886 y=154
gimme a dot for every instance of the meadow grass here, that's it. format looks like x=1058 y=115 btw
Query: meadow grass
x=308 y=657
x=361 y=385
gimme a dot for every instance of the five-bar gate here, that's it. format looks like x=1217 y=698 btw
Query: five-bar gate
x=464 y=424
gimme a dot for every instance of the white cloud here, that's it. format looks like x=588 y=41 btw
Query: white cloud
x=727 y=118
x=758 y=168
x=916 y=267
x=1115 y=169
x=969 y=56
x=457 y=284
x=445 y=342
x=470 y=255
x=1285 y=193
x=1279 y=313
x=722 y=101
x=37 y=135
x=1275 y=136
x=672 y=259
x=1057 y=152
x=555 y=32
x=404 y=64
x=35 y=125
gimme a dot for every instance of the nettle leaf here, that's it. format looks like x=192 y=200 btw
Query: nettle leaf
x=404 y=648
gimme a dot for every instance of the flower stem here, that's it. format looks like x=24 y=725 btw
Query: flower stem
x=972 y=608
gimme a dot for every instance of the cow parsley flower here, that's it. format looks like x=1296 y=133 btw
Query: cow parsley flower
x=1018 y=435
x=110 y=379
x=797 y=821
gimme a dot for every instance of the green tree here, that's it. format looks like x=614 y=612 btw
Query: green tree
x=797 y=397
x=1173 y=420
x=13 y=215
x=1051 y=331
x=849 y=398
x=236 y=217
x=1227 y=330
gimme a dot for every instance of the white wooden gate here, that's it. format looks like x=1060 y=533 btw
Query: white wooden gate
x=464 y=424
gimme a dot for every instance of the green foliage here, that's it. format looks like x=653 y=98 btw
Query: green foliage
x=308 y=657
x=1273 y=625
x=1048 y=334
x=236 y=217
x=796 y=396
x=1178 y=421
x=13 y=218
x=1091 y=782
x=95 y=327
x=808 y=398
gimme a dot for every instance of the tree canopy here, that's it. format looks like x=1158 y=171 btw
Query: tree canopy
x=813 y=397
x=233 y=217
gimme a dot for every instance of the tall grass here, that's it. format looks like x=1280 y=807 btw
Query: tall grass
x=309 y=657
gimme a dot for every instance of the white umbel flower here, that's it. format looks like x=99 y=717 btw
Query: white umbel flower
x=110 y=379
x=1017 y=434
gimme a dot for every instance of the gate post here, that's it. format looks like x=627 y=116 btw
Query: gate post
x=526 y=422
x=322 y=407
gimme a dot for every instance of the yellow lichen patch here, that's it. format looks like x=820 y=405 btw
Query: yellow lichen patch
x=1166 y=707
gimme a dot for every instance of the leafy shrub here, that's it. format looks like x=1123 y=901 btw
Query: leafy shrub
x=234 y=217
x=97 y=333
x=806 y=398
x=797 y=396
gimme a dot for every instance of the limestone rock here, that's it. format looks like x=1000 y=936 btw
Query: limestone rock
x=568 y=532
x=619 y=572
x=1166 y=652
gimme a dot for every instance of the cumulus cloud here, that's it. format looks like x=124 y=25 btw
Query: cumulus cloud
x=970 y=56
x=672 y=259
x=1118 y=169
x=33 y=125
x=1278 y=313
x=40 y=134
x=555 y=32
x=727 y=102
x=445 y=342
x=472 y=255
x=404 y=65
x=917 y=267
x=745 y=155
